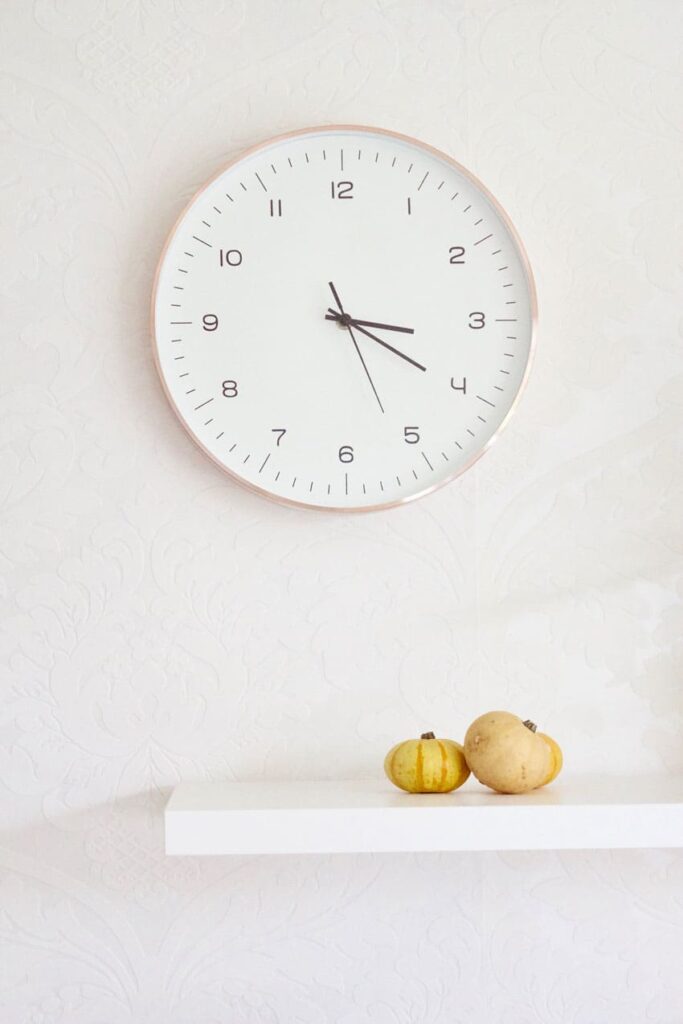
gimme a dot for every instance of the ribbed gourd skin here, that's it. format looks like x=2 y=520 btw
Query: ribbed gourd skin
x=427 y=765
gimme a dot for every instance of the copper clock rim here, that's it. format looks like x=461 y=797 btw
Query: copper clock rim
x=526 y=267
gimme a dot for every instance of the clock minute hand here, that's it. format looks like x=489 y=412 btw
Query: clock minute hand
x=333 y=315
x=386 y=344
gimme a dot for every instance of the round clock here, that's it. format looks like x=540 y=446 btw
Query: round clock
x=343 y=318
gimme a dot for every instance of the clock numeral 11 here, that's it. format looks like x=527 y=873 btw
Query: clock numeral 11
x=275 y=206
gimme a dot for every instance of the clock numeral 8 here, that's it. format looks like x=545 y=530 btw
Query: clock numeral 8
x=230 y=389
x=411 y=435
x=477 y=321
x=346 y=453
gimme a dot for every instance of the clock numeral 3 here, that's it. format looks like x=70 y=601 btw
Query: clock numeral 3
x=456 y=252
x=209 y=321
x=458 y=387
x=477 y=321
x=230 y=257
x=275 y=207
x=281 y=431
x=342 y=189
x=346 y=453
x=411 y=435
x=230 y=389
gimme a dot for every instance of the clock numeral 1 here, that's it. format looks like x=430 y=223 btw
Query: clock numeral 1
x=230 y=257
x=458 y=387
x=281 y=431
x=477 y=321
x=342 y=189
x=410 y=207
x=346 y=453
x=411 y=435
x=230 y=389
x=275 y=207
x=456 y=253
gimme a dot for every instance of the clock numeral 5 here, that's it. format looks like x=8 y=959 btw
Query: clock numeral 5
x=209 y=321
x=342 y=189
x=230 y=389
x=457 y=387
x=456 y=253
x=411 y=435
x=346 y=453
x=230 y=257
x=477 y=321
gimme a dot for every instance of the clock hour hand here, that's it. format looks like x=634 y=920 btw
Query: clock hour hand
x=347 y=321
x=355 y=344
x=333 y=315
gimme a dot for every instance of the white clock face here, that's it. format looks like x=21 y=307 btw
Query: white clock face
x=343 y=318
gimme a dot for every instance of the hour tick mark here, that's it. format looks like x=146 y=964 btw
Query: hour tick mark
x=506 y=319
x=484 y=238
x=207 y=244
x=341 y=154
x=197 y=407
x=492 y=404
x=180 y=323
x=263 y=464
x=423 y=181
x=260 y=181
x=426 y=460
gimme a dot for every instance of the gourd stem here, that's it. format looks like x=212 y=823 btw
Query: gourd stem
x=530 y=725
x=427 y=736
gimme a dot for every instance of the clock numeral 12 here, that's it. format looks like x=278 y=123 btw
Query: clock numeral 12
x=342 y=189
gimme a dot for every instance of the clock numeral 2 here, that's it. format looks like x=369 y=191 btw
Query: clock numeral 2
x=457 y=387
x=342 y=189
x=275 y=207
x=456 y=252
x=230 y=257
x=346 y=453
x=230 y=389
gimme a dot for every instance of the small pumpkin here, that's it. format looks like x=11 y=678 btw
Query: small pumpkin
x=427 y=765
x=509 y=755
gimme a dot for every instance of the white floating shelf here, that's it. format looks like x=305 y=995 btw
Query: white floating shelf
x=373 y=817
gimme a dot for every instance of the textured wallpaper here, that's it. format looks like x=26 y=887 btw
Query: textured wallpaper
x=159 y=623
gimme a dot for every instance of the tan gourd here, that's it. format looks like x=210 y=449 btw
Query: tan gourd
x=509 y=755
x=427 y=765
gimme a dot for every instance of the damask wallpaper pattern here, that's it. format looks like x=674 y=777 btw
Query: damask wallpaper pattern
x=158 y=623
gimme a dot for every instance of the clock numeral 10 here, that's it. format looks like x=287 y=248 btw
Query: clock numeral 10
x=342 y=189
x=458 y=387
x=346 y=453
x=230 y=257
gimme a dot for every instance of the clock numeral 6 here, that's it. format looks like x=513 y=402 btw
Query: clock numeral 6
x=477 y=321
x=456 y=252
x=230 y=389
x=346 y=453
x=342 y=189
x=230 y=257
x=209 y=321
x=457 y=387
x=411 y=435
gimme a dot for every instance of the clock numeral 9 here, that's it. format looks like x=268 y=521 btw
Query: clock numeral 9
x=230 y=389
x=209 y=321
x=230 y=257
x=457 y=387
x=411 y=435
x=346 y=453
x=477 y=321
x=456 y=252
x=342 y=189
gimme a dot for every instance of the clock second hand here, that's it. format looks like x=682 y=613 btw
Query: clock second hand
x=355 y=345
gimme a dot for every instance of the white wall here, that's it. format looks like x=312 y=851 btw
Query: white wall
x=159 y=623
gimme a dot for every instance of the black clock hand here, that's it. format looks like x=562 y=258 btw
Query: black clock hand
x=386 y=344
x=333 y=315
x=355 y=345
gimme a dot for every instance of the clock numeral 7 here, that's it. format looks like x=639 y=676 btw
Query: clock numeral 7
x=281 y=431
x=342 y=189
x=229 y=257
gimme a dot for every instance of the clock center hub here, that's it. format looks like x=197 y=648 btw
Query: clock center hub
x=344 y=320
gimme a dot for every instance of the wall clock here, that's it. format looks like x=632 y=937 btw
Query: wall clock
x=343 y=318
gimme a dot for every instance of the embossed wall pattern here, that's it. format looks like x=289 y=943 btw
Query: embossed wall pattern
x=159 y=623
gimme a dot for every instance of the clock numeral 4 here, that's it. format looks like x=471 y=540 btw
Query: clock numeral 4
x=210 y=322
x=275 y=206
x=411 y=435
x=346 y=453
x=281 y=431
x=459 y=387
x=229 y=257
x=456 y=252
x=342 y=189
x=230 y=389
x=477 y=321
